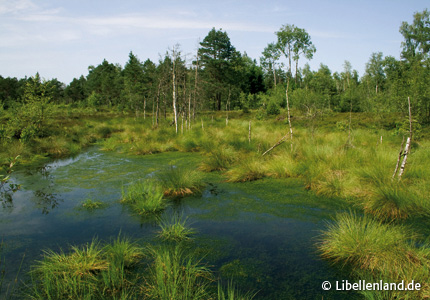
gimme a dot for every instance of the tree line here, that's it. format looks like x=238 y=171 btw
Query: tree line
x=218 y=77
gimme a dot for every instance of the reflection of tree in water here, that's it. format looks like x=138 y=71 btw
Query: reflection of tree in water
x=6 y=201
x=46 y=201
x=43 y=171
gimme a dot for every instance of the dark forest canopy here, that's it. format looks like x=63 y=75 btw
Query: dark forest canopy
x=218 y=77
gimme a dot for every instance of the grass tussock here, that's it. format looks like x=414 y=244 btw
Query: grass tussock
x=180 y=181
x=382 y=249
x=177 y=274
x=144 y=197
x=249 y=170
x=219 y=159
x=88 y=272
x=175 y=229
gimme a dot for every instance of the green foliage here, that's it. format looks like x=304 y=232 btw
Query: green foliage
x=7 y=188
x=93 y=100
x=273 y=108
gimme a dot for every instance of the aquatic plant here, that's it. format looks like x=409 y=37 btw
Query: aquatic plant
x=233 y=293
x=180 y=181
x=144 y=196
x=91 y=204
x=88 y=272
x=68 y=276
x=175 y=229
x=176 y=274
x=122 y=255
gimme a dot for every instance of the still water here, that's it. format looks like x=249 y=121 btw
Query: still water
x=260 y=234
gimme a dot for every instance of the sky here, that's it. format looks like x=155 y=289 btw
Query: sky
x=61 y=38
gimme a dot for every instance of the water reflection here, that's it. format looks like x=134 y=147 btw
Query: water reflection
x=46 y=201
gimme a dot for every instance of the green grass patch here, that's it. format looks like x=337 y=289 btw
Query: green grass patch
x=144 y=196
x=177 y=274
x=180 y=181
x=175 y=229
x=377 y=249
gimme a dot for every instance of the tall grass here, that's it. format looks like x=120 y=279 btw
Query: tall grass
x=219 y=159
x=379 y=248
x=88 y=272
x=176 y=274
x=122 y=255
x=68 y=276
x=251 y=168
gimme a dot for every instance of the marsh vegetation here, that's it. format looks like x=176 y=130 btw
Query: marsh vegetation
x=220 y=151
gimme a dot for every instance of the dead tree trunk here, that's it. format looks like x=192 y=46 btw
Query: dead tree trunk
x=289 y=124
x=405 y=157
x=288 y=114
x=399 y=158
x=174 y=93
x=404 y=152
x=408 y=142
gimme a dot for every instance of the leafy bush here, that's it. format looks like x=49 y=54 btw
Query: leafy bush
x=273 y=108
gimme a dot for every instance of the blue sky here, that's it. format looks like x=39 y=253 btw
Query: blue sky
x=61 y=38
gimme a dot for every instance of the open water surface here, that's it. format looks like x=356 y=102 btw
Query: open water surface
x=260 y=234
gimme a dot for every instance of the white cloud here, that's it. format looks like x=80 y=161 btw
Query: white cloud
x=16 y=6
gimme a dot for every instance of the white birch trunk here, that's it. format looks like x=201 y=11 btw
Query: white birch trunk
x=405 y=157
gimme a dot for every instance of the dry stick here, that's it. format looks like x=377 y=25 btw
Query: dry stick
x=249 y=132
x=276 y=145
x=408 y=142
